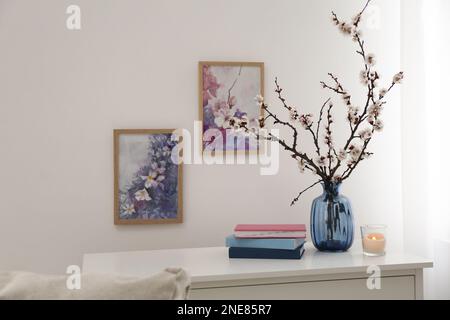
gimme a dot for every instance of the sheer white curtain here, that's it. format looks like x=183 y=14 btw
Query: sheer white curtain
x=426 y=137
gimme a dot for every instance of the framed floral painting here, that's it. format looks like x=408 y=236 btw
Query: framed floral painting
x=147 y=177
x=227 y=92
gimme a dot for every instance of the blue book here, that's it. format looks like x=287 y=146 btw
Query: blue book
x=259 y=253
x=286 y=244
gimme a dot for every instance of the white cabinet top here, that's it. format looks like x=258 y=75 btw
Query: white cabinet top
x=213 y=264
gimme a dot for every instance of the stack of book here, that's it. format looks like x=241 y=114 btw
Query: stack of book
x=264 y=241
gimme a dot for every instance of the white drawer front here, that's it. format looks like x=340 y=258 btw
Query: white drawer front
x=400 y=287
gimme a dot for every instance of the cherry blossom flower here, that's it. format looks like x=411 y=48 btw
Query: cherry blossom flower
x=398 y=78
x=353 y=114
x=375 y=109
x=355 y=152
x=365 y=134
x=320 y=160
x=328 y=140
x=293 y=114
x=243 y=122
x=373 y=76
x=306 y=120
x=345 y=28
x=342 y=155
x=370 y=59
x=382 y=93
x=364 y=77
x=378 y=125
x=356 y=35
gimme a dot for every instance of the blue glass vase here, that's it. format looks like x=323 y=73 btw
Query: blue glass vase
x=332 y=220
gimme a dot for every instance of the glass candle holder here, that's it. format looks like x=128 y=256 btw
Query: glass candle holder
x=373 y=240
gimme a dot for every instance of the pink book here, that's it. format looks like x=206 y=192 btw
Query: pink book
x=271 y=227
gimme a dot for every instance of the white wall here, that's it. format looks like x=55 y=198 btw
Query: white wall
x=134 y=65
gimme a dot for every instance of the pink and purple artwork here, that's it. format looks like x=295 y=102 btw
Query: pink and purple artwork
x=227 y=92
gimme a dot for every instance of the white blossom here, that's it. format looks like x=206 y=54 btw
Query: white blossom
x=293 y=114
x=233 y=123
x=321 y=161
x=370 y=59
x=306 y=120
x=345 y=28
x=383 y=93
x=355 y=152
x=398 y=78
x=378 y=125
x=364 y=77
x=375 y=109
x=154 y=177
x=365 y=134
x=357 y=34
x=128 y=209
x=142 y=195
x=328 y=140
x=373 y=76
x=353 y=114
x=342 y=155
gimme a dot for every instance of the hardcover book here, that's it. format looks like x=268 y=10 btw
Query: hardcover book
x=286 y=244
x=260 y=253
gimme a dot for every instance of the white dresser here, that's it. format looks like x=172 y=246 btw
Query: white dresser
x=317 y=276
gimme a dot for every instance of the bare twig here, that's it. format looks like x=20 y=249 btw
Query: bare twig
x=232 y=86
x=303 y=191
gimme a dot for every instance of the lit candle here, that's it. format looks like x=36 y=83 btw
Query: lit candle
x=374 y=243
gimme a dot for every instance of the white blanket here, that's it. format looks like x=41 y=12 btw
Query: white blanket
x=172 y=283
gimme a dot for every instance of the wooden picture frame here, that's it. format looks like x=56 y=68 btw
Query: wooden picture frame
x=144 y=207
x=248 y=98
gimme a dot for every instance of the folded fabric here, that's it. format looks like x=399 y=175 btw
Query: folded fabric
x=172 y=283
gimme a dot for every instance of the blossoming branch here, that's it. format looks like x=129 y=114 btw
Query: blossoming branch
x=331 y=163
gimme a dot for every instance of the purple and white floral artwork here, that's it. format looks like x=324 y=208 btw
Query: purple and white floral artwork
x=148 y=180
x=228 y=92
